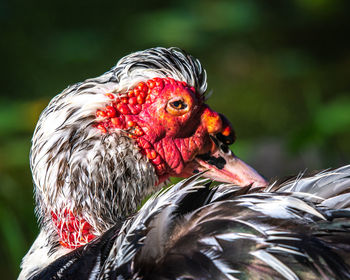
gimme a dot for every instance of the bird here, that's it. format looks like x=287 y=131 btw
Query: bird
x=96 y=155
x=103 y=145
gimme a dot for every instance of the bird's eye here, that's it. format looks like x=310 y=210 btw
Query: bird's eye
x=177 y=107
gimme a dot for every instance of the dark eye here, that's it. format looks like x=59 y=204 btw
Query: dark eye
x=178 y=105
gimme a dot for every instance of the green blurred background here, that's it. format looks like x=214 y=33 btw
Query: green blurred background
x=278 y=69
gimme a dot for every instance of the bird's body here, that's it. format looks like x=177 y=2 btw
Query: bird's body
x=298 y=230
x=103 y=145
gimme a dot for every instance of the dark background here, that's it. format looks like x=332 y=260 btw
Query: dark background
x=278 y=69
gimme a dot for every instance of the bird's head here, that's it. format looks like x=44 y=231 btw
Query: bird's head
x=102 y=145
x=176 y=131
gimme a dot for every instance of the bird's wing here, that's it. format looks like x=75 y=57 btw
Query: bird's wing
x=254 y=236
x=230 y=233
x=331 y=188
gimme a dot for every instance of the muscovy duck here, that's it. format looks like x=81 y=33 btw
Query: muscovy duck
x=103 y=145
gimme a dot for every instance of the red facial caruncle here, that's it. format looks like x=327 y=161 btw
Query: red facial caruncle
x=168 y=120
x=124 y=110
x=119 y=114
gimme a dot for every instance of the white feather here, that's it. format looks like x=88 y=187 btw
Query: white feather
x=276 y=264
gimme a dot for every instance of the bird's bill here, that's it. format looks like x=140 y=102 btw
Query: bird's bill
x=226 y=167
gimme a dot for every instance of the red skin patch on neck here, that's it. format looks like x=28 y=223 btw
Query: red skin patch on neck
x=72 y=230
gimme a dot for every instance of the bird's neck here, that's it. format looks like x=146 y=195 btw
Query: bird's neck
x=85 y=181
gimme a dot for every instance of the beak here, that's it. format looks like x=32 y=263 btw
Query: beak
x=224 y=166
